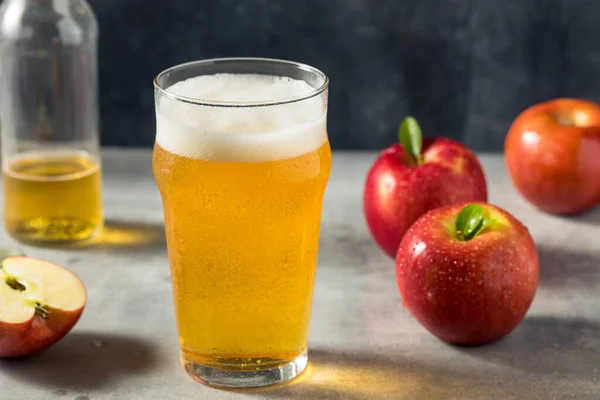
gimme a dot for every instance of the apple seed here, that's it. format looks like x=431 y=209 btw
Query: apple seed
x=40 y=309
x=15 y=284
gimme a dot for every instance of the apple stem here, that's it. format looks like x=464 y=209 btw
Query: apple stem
x=15 y=284
x=563 y=120
x=471 y=222
x=41 y=311
x=411 y=139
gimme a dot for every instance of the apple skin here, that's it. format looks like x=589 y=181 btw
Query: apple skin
x=397 y=193
x=467 y=292
x=552 y=153
x=37 y=334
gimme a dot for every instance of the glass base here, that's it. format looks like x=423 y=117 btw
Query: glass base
x=54 y=232
x=223 y=378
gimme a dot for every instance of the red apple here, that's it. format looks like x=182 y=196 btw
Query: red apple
x=40 y=303
x=409 y=179
x=552 y=154
x=468 y=272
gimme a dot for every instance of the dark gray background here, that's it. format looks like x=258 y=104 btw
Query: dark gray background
x=464 y=68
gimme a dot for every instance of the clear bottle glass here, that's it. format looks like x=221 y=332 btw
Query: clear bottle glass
x=49 y=120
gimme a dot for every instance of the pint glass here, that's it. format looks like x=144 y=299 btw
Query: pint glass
x=241 y=160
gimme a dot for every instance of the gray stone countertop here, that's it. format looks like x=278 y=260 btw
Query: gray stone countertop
x=363 y=344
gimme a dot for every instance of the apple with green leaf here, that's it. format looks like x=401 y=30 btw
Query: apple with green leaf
x=468 y=272
x=414 y=176
x=40 y=302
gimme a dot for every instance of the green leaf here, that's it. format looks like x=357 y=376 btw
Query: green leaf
x=469 y=221
x=485 y=223
x=411 y=138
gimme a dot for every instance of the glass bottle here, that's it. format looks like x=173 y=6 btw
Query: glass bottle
x=49 y=121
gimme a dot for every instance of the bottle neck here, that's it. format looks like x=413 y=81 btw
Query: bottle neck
x=69 y=21
x=55 y=4
x=55 y=7
x=42 y=3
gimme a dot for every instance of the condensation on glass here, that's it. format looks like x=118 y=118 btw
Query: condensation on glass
x=49 y=120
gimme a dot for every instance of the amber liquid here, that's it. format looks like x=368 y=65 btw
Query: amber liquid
x=52 y=197
x=242 y=240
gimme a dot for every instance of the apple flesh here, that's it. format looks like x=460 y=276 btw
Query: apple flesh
x=467 y=291
x=398 y=189
x=552 y=155
x=41 y=302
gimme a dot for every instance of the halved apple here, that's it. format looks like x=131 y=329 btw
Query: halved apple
x=40 y=302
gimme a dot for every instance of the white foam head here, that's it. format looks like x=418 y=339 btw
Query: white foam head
x=260 y=133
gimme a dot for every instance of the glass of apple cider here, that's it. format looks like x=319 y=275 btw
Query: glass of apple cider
x=241 y=160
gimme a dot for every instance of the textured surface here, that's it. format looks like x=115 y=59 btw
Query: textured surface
x=363 y=344
x=464 y=68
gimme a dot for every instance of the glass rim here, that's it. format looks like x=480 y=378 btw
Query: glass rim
x=215 y=103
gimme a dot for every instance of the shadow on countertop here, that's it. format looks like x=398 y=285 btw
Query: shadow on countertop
x=590 y=217
x=549 y=346
x=568 y=268
x=125 y=236
x=350 y=375
x=83 y=361
x=564 y=350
